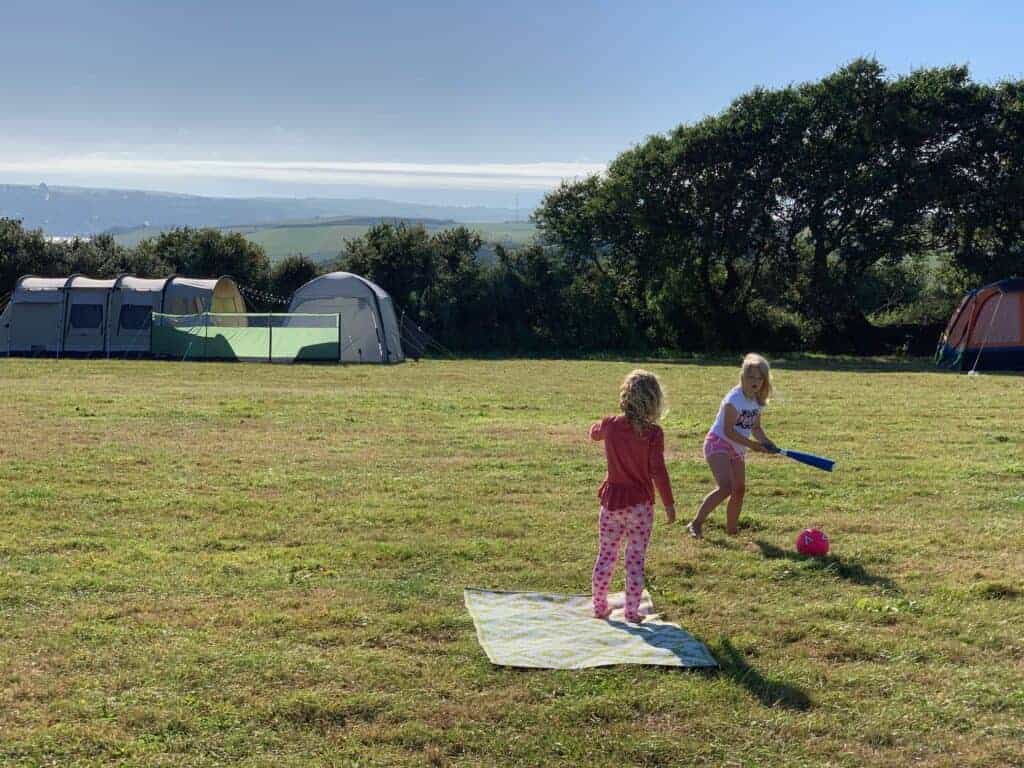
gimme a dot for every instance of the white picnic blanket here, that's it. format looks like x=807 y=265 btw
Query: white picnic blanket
x=534 y=629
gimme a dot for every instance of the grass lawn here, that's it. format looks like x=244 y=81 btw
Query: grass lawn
x=212 y=564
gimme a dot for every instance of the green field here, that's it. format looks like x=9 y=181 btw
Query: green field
x=216 y=564
x=323 y=242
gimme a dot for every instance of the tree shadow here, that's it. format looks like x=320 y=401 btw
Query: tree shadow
x=794 y=362
x=770 y=692
x=832 y=564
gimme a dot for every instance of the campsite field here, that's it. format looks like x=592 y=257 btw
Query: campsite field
x=207 y=564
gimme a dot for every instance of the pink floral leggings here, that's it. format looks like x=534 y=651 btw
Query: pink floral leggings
x=635 y=524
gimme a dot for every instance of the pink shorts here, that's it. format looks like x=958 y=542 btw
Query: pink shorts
x=713 y=444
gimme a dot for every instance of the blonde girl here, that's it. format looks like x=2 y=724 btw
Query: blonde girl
x=634 y=447
x=726 y=444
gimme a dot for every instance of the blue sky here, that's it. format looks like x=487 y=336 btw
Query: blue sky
x=461 y=103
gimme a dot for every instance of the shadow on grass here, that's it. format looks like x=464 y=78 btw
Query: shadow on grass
x=716 y=536
x=795 y=362
x=722 y=542
x=832 y=564
x=689 y=650
x=771 y=693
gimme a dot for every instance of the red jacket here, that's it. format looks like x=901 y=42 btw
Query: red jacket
x=636 y=464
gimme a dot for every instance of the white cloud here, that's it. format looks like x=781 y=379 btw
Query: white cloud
x=539 y=176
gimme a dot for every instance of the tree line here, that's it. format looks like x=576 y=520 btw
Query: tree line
x=847 y=214
x=799 y=215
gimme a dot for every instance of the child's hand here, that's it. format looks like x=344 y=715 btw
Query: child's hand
x=670 y=513
x=771 y=447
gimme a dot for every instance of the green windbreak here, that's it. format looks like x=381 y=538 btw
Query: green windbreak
x=274 y=338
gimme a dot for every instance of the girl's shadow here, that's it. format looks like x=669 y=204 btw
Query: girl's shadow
x=771 y=693
x=853 y=572
x=692 y=652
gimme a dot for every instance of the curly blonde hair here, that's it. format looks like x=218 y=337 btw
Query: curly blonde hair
x=641 y=399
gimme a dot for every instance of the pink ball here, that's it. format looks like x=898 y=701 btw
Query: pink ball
x=812 y=542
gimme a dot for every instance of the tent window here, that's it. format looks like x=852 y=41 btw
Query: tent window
x=86 y=315
x=136 y=317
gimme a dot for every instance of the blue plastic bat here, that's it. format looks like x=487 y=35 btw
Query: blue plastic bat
x=818 y=462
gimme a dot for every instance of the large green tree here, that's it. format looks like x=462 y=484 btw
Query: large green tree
x=979 y=217
x=396 y=256
x=291 y=273
x=22 y=252
x=866 y=173
x=210 y=252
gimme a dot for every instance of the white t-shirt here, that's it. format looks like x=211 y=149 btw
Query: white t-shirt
x=746 y=410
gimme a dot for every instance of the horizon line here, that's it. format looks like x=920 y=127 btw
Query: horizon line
x=481 y=176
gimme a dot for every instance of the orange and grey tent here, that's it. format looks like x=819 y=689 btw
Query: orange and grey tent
x=986 y=332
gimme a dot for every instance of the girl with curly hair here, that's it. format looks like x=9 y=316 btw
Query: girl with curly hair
x=634 y=446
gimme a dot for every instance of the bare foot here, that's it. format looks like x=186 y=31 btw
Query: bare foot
x=733 y=531
x=694 y=529
x=637 y=619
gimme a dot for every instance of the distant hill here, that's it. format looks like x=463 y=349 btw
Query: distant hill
x=323 y=239
x=87 y=211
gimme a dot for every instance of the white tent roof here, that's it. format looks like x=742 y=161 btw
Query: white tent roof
x=193 y=282
x=39 y=290
x=339 y=285
x=140 y=284
x=47 y=290
x=157 y=285
x=78 y=281
x=51 y=290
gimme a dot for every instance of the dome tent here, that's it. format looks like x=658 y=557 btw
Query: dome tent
x=369 y=328
x=986 y=332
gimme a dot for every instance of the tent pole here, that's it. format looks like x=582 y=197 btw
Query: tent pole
x=988 y=332
x=106 y=323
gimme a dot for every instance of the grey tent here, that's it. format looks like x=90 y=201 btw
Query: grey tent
x=369 y=330
x=132 y=303
x=79 y=315
x=34 y=318
x=134 y=299
x=85 y=307
x=191 y=296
